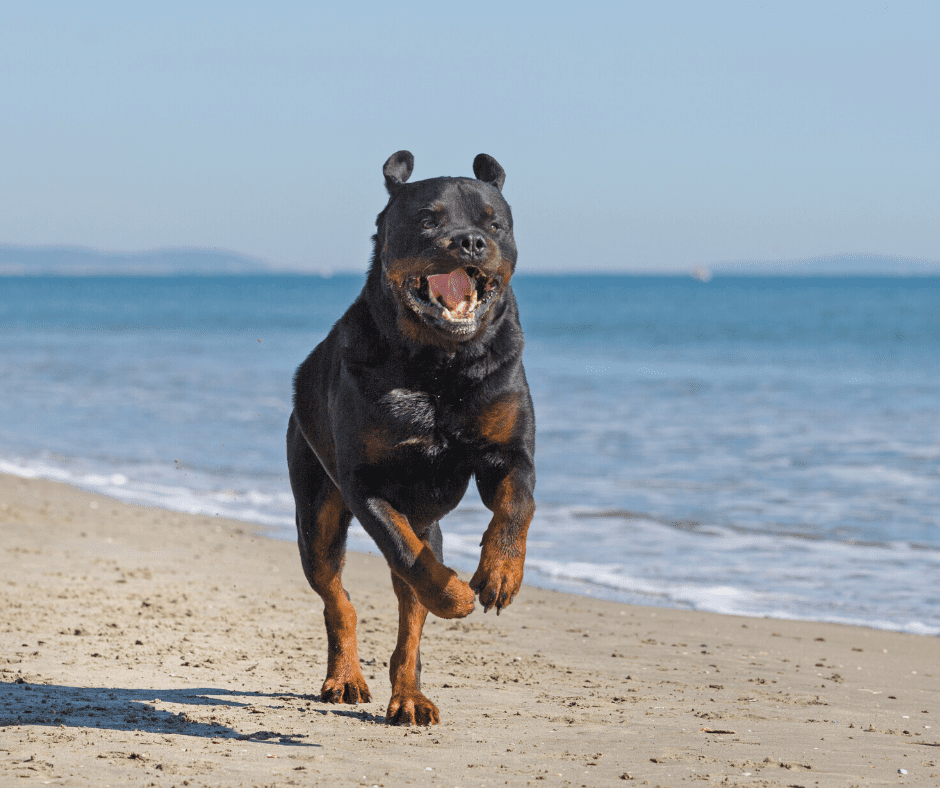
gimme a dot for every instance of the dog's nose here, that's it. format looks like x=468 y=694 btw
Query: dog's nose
x=471 y=244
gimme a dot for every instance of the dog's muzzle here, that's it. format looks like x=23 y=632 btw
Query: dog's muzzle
x=454 y=302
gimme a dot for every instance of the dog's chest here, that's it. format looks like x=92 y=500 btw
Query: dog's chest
x=422 y=419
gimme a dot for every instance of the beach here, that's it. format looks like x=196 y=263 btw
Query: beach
x=142 y=646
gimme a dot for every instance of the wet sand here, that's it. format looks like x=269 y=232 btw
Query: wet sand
x=140 y=646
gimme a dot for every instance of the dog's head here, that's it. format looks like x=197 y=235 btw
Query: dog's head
x=445 y=248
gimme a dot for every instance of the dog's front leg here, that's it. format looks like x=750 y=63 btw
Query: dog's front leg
x=508 y=494
x=436 y=586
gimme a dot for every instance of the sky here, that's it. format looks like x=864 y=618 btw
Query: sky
x=635 y=136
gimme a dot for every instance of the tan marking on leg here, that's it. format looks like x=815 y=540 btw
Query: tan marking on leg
x=408 y=705
x=502 y=557
x=344 y=680
x=437 y=587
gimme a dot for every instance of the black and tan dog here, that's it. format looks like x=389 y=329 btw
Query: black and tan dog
x=418 y=387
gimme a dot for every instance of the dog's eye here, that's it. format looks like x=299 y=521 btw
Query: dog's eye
x=429 y=224
x=495 y=227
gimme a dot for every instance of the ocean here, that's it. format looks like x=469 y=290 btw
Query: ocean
x=752 y=446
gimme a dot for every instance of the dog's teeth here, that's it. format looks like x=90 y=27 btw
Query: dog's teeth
x=465 y=307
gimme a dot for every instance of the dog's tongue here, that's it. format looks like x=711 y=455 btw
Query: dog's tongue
x=453 y=288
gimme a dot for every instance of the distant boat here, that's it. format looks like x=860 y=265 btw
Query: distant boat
x=702 y=274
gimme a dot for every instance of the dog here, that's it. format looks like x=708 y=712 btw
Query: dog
x=417 y=387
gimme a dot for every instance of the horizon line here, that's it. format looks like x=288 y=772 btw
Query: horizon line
x=701 y=270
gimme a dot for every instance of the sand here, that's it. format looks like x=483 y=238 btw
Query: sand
x=140 y=646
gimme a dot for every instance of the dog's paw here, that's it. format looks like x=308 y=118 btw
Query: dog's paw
x=497 y=581
x=345 y=687
x=411 y=708
x=451 y=599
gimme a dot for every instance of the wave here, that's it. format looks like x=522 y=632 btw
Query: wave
x=715 y=568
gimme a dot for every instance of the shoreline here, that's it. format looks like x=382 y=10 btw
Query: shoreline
x=110 y=606
x=541 y=572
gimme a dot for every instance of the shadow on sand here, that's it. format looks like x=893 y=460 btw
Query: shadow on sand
x=120 y=709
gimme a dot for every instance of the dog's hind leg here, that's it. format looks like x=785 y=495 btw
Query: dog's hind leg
x=322 y=522
x=408 y=705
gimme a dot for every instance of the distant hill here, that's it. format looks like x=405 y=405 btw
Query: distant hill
x=81 y=261
x=832 y=265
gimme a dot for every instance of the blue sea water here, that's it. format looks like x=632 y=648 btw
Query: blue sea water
x=757 y=446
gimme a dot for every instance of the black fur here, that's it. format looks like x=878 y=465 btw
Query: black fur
x=401 y=404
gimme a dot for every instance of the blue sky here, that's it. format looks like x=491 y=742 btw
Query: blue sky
x=635 y=136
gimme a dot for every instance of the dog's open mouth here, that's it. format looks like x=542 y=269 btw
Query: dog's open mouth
x=455 y=301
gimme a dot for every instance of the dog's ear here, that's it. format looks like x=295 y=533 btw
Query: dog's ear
x=487 y=169
x=398 y=169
